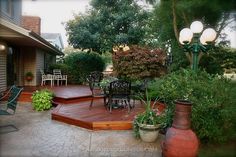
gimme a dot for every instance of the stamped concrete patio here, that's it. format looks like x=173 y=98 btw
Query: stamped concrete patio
x=40 y=136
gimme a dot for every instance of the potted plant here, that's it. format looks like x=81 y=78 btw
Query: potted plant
x=147 y=124
x=29 y=76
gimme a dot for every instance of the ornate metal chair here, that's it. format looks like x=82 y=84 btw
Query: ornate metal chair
x=94 y=79
x=11 y=96
x=119 y=92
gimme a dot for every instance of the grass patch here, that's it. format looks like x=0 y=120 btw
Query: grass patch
x=218 y=150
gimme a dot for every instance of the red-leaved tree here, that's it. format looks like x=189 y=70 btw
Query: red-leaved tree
x=139 y=62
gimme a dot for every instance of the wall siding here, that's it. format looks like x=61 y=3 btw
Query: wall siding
x=3 y=71
x=29 y=56
x=39 y=65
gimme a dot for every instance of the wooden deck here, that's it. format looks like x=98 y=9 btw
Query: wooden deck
x=62 y=94
x=73 y=107
x=97 y=117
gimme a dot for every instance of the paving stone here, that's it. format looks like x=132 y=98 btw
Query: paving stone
x=39 y=136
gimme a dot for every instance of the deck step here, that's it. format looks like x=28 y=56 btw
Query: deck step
x=25 y=97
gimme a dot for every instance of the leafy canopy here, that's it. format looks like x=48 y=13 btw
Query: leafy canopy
x=170 y=16
x=107 y=24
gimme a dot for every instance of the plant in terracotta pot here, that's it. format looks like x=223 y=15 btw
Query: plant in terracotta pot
x=147 y=124
x=29 y=76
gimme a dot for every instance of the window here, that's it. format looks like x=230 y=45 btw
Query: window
x=9 y=7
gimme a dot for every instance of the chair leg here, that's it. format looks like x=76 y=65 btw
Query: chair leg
x=105 y=101
x=129 y=106
x=9 y=125
x=110 y=107
x=109 y=104
x=91 y=103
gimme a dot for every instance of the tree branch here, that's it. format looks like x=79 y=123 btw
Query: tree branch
x=174 y=19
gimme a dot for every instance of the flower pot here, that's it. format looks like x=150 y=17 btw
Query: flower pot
x=148 y=133
x=29 y=78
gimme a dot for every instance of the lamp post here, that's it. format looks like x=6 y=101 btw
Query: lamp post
x=196 y=41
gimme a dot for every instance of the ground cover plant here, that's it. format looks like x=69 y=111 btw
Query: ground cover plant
x=42 y=100
x=213 y=117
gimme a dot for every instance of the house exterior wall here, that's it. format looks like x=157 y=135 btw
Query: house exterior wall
x=3 y=70
x=11 y=10
x=29 y=59
x=39 y=65
x=49 y=59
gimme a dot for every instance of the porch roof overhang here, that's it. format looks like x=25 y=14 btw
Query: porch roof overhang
x=16 y=35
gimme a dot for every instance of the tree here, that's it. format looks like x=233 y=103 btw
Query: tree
x=170 y=16
x=107 y=24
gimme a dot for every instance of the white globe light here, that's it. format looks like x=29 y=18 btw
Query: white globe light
x=185 y=35
x=203 y=40
x=182 y=41
x=2 y=47
x=209 y=34
x=196 y=27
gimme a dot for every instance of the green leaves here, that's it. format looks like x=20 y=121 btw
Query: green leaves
x=213 y=102
x=151 y=115
x=41 y=100
x=82 y=63
x=107 y=24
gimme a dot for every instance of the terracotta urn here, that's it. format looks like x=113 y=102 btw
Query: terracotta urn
x=180 y=140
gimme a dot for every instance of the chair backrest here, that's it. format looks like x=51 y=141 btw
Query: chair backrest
x=120 y=88
x=97 y=76
x=56 y=72
x=94 y=78
x=13 y=97
x=42 y=72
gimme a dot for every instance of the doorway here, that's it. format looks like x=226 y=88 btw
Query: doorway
x=12 y=64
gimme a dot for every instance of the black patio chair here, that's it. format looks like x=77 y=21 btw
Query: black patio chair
x=9 y=100
x=94 y=79
x=119 y=92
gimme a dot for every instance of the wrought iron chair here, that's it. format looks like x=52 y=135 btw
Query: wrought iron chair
x=119 y=91
x=11 y=96
x=94 y=79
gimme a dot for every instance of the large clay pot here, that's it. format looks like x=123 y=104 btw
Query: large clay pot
x=180 y=140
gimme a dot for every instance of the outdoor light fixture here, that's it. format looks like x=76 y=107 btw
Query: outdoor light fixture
x=2 y=47
x=196 y=41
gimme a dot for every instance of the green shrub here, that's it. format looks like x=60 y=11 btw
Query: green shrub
x=211 y=95
x=82 y=63
x=42 y=100
x=63 y=67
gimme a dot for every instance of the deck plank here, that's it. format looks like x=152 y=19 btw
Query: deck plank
x=73 y=107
